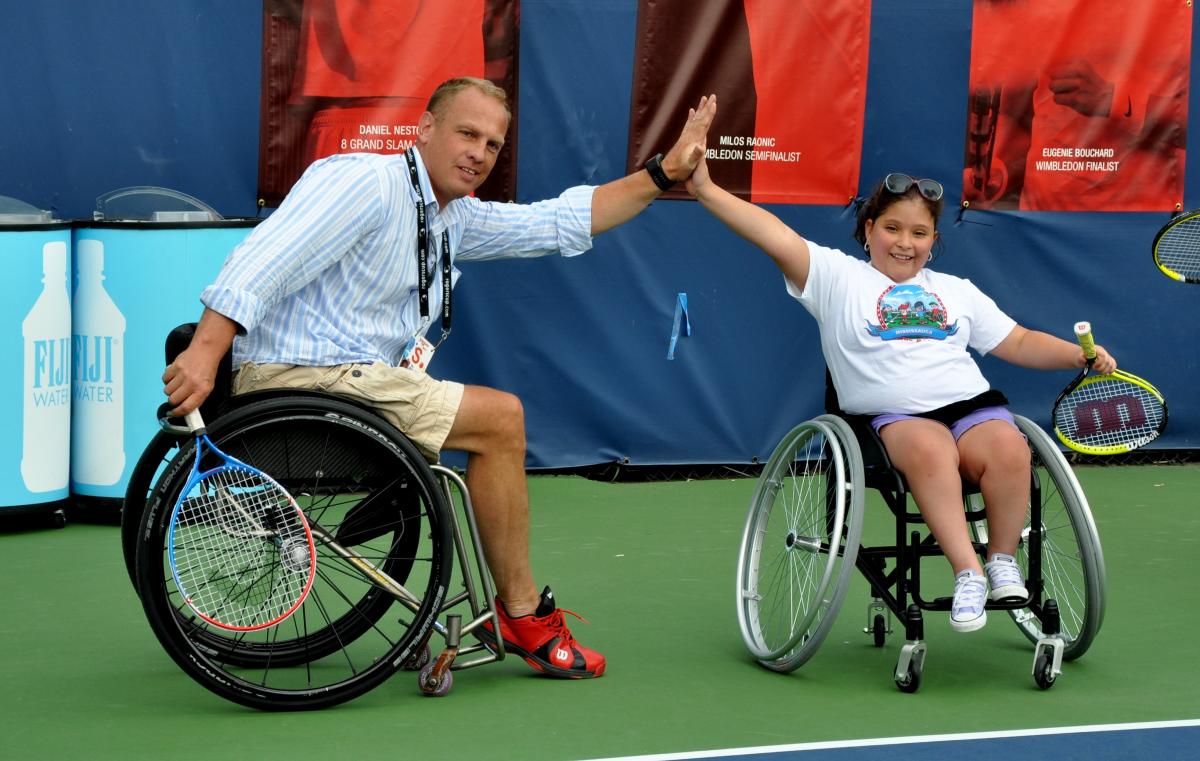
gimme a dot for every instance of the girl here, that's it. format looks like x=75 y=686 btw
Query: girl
x=895 y=336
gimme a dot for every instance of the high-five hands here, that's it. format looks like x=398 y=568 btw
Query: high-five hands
x=688 y=151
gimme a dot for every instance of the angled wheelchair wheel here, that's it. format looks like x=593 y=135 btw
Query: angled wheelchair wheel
x=799 y=543
x=369 y=492
x=160 y=451
x=1073 y=570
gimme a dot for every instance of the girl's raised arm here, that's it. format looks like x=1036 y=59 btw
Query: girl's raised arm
x=755 y=224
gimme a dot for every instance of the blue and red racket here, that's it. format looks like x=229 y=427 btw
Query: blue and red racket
x=240 y=548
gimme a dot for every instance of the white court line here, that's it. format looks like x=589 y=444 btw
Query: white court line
x=831 y=744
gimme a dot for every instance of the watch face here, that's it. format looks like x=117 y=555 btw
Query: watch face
x=654 y=167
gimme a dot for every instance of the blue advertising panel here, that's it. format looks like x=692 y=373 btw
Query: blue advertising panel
x=35 y=391
x=133 y=282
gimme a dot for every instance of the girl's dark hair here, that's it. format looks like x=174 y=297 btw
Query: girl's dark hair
x=881 y=200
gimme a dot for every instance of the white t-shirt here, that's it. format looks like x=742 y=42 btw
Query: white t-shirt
x=898 y=347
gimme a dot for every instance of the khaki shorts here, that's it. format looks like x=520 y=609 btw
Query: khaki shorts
x=420 y=406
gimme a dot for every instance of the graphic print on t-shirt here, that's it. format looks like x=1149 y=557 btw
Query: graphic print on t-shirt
x=911 y=312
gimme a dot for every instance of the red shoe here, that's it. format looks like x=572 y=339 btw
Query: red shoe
x=544 y=641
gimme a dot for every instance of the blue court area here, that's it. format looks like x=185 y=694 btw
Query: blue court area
x=1162 y=741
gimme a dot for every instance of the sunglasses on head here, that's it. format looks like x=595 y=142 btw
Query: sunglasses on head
x=899 y=183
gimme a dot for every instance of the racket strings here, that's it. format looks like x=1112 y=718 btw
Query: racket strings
x=242 y=552
x=1179 y=248
x=1110 y=412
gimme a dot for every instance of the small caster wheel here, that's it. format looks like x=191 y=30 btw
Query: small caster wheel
x=879 y=630
x=1043 y=670
x=418 y=659
x=59 y=519
x=911 y=681
x=433 y=686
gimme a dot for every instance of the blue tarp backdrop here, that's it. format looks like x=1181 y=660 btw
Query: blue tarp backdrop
x=99 y=96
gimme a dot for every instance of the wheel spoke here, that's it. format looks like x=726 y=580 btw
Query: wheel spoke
x=348 y=635
x=793 y=574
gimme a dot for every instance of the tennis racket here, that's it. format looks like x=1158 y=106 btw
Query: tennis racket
x=1107 y=414
x=1177 y=248
x=240 y=549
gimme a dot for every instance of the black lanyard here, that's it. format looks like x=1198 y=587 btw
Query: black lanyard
x=423 y=254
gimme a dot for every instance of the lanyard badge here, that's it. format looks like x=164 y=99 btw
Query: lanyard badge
x=418 y=352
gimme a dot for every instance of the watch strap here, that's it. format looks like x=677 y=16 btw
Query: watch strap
x=654 y=167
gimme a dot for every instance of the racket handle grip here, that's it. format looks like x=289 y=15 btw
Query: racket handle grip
x=1083 y=334
x=195 y=421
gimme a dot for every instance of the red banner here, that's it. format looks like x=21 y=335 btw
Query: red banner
x=1078 y=105
x=790 y=78
x=343 y=76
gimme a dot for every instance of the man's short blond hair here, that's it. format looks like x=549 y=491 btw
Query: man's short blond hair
x=447 y=90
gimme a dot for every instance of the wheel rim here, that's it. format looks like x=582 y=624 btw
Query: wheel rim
x=1072 y=563
x=160 y=451
x=791 y=555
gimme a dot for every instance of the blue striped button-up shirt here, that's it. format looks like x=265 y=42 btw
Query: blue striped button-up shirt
x=331 y=277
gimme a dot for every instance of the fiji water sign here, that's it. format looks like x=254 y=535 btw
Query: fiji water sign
x=35 y=400
x=46 y=396
x=134 y=283
x=97 y=374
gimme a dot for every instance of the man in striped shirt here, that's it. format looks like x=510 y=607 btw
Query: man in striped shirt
x=326 y=294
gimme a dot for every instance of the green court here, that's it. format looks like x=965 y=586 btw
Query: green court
x=651 y=566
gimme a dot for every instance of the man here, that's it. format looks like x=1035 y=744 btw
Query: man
x=326 y=294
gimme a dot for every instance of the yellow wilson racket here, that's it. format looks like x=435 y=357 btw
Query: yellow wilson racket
x=1107 y=414
x=1177 y=248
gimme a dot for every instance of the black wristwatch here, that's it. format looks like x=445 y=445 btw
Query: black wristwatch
x=654 y=167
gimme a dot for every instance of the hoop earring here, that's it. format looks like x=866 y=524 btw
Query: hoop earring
x=866 y=247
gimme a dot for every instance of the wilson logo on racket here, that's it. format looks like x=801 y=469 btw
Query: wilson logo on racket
x=1107 y=414
x=1095 y=417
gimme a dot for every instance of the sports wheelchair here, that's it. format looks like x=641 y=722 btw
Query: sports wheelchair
x=387 y=525
x=801 y=544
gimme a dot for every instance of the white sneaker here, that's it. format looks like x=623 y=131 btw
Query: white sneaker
x=1004 y=575
x=970 y=595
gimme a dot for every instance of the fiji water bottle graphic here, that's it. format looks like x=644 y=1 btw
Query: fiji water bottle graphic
x=98 y=375
x=45 y=450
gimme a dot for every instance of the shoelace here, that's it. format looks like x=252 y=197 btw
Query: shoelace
x=1003 y=574
x=969 y=594
x=557 y=624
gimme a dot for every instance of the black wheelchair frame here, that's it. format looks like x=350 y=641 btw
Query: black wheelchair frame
x=802 y=541
x=390 y=525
